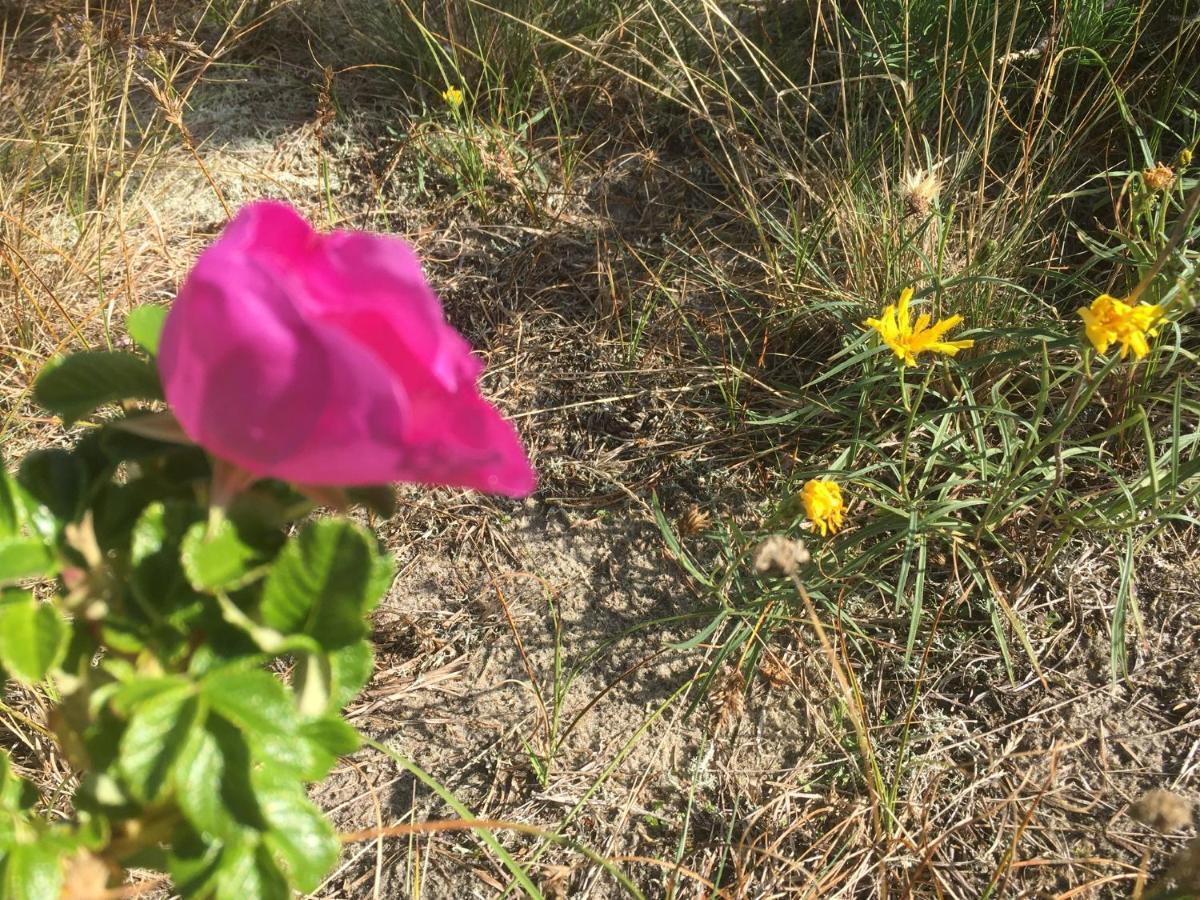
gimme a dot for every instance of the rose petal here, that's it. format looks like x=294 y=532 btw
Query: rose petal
x=327 y=360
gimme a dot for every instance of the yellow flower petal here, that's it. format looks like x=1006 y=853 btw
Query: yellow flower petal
x=907 y=340
x=1111 y=321
x=823 y=505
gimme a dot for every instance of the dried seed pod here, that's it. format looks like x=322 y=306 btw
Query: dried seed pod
x=729 y=700
x=1160 y=178
x=775 y=671
x=921 y=191
x=694 y=521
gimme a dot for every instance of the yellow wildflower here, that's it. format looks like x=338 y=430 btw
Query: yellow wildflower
x=823 y=505
x=1109 y=320
x=1185 y=156
x=453 y=97
x=907 y=340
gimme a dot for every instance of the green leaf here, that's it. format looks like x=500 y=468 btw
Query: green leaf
x=264 y=712
x=56 y=479
x=33 y=871
x=74 y=386
x=193 y=863
x=17 y=799
x=291 y=754
x=351 y=667
x=218 y=561
x=324 y=582
x=157 y=578
x=22 y=558
x=237 y=791
x=21 y=515
x=330 y=737
x=129 y=696
x=9 y=517
x=145 y=325
x=10 y=785
x=199 y=772
x=123 y=635
x=253 y=700
x=300 y=837
x=13 y=505
x=33 y=636
x=247 y=872
x=158 y=732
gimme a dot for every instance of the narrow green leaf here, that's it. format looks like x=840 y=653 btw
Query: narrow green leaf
x=74 y=386
x=10 y=517
x=145 y=325
x=672 y=542
x=17 y=796
x=33 y=636
x=157 y=734
x=520 y=875
x=704 y=634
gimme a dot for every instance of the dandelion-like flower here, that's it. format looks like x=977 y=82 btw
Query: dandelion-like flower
x=823 y=505
x=453 y=97
x=1111 y=321
x=909 y=340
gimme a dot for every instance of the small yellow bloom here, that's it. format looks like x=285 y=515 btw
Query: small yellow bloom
x=907 y=340
x=823 y=505
x=453 y=97
x=1109 y=320
x=1185 y=156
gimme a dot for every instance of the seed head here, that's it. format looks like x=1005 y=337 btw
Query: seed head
x=921 y=191
x=775 y=671
x=778 y=555
x=1162 y=810
x=1160 y=178
x=729 y=700
x=693 y=521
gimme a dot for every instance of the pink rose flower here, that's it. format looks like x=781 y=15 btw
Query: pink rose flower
x=326 y=359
